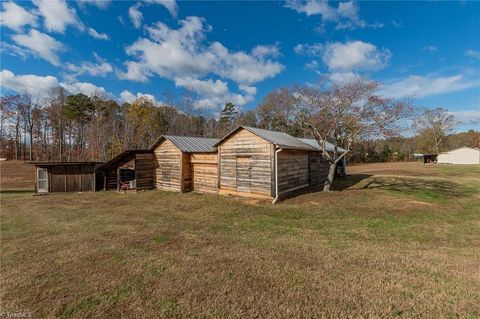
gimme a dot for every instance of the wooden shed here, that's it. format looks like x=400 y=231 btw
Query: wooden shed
x=266 y=164
x=56 y=177
x=184 y=164
x=130 y=170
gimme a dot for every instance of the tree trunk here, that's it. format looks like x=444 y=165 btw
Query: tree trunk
x=331 y=175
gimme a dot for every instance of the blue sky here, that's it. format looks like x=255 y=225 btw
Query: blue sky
x=239 y=51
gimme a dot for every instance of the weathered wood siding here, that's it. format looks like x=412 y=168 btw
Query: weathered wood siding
x=70 y=178
x=168 y=167
x=318 y=168
x=253 y=151
x=204 y=172
x=186 y=173
x=111 y=180
x=144 y=171
x=293 y=170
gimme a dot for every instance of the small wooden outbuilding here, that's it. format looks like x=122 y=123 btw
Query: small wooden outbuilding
x=266 y=164
x=185 y=164
x=56 y=177
x=130 y=170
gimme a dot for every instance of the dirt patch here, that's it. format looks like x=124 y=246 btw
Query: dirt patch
x=16 y=175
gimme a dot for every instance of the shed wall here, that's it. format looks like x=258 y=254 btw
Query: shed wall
x=144 y=171
x=204 y=172
x=259 y=152
x=168 y=167
x=293 y=170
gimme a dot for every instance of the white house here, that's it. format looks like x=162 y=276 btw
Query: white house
x=463 y=155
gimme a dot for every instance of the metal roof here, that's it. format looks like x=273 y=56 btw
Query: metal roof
x=190 y=144
x=121 y=159
x=280 y=139
x=314 y=143
x=64 y=163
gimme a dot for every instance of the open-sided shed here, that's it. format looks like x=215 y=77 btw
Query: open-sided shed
x=56 y=177
x=185 y=164
x=130 y=170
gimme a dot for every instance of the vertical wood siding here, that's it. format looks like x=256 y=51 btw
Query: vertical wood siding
x=293 y=170
x=144 y=171
x=168 y=170
x=204 y=172
x=318 y=168
x=246 y=144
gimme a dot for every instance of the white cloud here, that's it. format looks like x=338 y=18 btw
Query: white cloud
x=345 y=15
x=135 y=15
x=30 y=83
x=430 y=48
x=102 y=68
x=15 y=17
x=170 y=5
x=250 y=90
x=14 y=50
x=421 y=86
x=41 y=45
x=203 y=87
x=467 y=117
x=343 y=77
x=473 y=54
x=57 y=15
x=315 y=49
x=101 y=4
x=183 y=56
x=96 y=35
x=345 y=61
x=83 y=87
x=40 y=85
x=355 y=55
x=129 y=97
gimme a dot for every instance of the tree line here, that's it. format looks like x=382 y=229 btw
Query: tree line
x=70 y=127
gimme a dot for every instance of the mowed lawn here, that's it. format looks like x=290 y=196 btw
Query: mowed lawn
x=394 y=240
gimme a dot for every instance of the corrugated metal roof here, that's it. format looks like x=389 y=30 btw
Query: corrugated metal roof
x=121 y=159
x=314 y=143
x=193 y=144
x=280 y=139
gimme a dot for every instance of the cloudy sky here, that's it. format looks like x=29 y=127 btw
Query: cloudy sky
x=239 y=51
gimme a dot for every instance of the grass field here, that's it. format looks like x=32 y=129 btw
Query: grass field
x=394 y=240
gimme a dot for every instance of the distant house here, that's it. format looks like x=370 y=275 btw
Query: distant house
x=426 y=158
x=463 y=155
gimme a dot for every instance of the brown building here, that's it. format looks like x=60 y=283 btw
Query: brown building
x=55 y=177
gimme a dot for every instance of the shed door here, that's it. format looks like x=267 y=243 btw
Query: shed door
x=244 y=167
x=42 y=180
x=204 y=177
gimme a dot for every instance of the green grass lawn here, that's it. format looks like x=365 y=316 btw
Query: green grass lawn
x=387 y=245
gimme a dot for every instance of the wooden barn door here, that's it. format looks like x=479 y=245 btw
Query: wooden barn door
x=244 y=167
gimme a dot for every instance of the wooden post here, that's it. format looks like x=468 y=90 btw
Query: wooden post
x=65 y=171
x=118 y=179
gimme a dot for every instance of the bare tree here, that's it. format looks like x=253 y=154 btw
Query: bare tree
x=345 y=113
x=433 y=125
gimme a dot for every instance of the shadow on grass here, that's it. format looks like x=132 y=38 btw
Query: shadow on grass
x=344 y=182
x=425 y=189
x=16 y=191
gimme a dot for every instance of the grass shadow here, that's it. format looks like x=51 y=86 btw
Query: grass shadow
x=16 y=191
x=344 y=182
x=433 y=190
